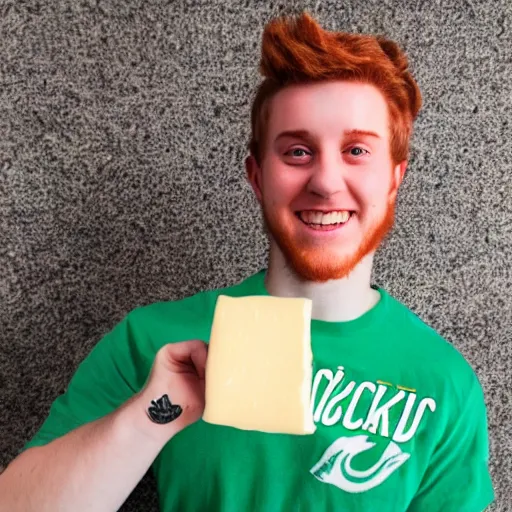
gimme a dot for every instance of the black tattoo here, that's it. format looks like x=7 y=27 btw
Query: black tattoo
x=162 y=411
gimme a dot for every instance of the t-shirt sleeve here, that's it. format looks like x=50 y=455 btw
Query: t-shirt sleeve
x=458 y=478
x=112 y=373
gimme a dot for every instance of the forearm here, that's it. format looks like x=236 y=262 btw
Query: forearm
x=93 y=468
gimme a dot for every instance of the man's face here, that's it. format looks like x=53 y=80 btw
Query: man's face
x=326 y=183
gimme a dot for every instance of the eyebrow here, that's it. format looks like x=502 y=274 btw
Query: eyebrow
x=304 y=134
x=294 y=134
x=363 y=133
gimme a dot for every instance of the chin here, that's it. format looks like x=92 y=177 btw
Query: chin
x=320 y=266
x=317 y=264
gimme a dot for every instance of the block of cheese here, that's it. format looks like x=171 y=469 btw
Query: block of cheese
x=259 y=365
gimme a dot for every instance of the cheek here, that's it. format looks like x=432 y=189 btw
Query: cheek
x=373 y=189
x=283 y=186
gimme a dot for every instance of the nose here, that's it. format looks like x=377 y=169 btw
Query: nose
x=328 y=176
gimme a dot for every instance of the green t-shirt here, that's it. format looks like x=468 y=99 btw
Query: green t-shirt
x=400 y=415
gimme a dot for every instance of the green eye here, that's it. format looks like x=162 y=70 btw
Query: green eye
x=298 y=152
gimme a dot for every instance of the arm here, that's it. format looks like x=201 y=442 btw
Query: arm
x=96 y=466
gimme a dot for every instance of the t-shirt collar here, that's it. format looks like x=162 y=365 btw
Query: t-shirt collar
x=371 y=319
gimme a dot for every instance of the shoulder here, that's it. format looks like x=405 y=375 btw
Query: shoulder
x=189 y=317
x=430 y=354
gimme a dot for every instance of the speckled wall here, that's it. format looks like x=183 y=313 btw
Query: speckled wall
x=123 y=127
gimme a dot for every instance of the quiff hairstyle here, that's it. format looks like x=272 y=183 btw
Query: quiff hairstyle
x=297 y=50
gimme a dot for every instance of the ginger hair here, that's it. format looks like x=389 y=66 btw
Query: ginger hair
x=297 y=50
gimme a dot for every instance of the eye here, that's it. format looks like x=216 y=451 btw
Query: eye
x=297 y=156
x=357 y=151
x=297 y=152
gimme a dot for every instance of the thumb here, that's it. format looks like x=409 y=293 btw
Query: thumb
x=198 y=356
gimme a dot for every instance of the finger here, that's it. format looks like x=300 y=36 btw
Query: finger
x=178 y=356
x=198 y=355
x=180 y=351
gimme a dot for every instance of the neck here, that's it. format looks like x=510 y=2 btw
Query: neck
x=339 y=300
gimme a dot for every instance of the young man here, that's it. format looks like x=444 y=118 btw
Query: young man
x=400 y=415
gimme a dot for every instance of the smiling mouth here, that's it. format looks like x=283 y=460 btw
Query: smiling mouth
x=321 y=221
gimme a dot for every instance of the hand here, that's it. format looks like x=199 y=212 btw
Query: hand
x=178 y=372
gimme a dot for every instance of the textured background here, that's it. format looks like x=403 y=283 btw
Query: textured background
x=123 y=127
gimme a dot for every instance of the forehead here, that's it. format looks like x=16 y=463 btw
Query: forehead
x=328 y=109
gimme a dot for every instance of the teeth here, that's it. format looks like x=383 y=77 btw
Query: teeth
x=311 y=217
x=344 y=216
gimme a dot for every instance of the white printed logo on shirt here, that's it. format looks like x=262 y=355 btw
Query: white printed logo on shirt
x=335 y=466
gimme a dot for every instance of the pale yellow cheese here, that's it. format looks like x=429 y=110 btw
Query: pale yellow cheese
x=259 y=366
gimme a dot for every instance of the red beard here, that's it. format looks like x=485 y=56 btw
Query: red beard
x=312 y=263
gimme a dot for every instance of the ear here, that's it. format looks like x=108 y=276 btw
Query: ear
x=253 y=172
x=398 y=176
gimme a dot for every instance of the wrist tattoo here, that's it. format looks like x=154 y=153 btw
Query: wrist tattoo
x=163 y=411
